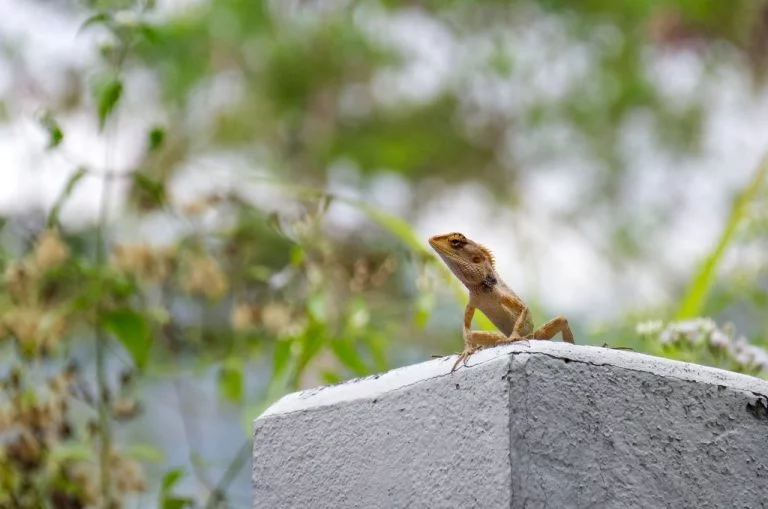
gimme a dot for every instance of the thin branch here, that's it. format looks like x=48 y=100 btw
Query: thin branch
x=105 y=430
x=217 y=495
x=199 y=473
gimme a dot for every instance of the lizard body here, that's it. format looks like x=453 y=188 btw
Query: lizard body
x=473 y=265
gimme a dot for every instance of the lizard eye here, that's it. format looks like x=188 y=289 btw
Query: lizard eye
x=456 y=243
x=477 y=259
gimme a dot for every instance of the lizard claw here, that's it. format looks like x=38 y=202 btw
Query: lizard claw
x=517 y=338
x=464 y=357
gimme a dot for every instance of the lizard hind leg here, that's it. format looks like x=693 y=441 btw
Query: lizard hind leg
x=552 y=327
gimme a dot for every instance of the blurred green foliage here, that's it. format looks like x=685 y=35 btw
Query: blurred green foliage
x=255 y=289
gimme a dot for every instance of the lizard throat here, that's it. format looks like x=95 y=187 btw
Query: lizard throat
x=489 y=283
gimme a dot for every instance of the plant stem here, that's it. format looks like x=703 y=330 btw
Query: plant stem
x=217 y=495
x=105 y=430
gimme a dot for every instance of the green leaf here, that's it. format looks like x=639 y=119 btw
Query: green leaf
x=170 y=479
x=148 y=33
x=53 y=216
x=425 y=304
x=397 y=226
x=108 y=94
x=273 y=221
x=152 y=191
x=97 y=19
x=297 y=255
x=281 y=357
x=259 y=273
x=704 y=278
x=377 y=345
x=75 y=451
x=310 y=342
x=330 y=377
x=177 y=502
x=167 y=500
x=156 y=138
x=145 y=452
x=231 y=380
x=316 y=307
x=132 y=329
x=55 y=134
x=325 y=202
x=349 y=356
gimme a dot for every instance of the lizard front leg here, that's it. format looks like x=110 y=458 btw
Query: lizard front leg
x=469 y=346
x=474 y=340
x=523 y=323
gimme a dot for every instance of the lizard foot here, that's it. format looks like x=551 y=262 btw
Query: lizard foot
x=464 y=357
x=516 y=338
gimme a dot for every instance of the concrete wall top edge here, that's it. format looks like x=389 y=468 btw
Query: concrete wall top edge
x=375 y=385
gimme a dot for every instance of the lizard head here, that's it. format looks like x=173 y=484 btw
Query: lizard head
x=468 y=260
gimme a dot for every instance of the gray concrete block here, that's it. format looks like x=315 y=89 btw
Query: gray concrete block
x=525 y=426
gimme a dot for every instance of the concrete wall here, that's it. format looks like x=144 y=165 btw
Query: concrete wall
x=544 y=425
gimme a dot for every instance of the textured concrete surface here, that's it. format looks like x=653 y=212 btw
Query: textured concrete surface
x=543 y=425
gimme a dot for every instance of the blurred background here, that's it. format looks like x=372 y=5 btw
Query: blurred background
x=208 y=204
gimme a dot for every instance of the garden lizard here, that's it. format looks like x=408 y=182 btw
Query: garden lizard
x=473 y=265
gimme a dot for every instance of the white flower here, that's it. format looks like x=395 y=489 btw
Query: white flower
x=649 y=327
x=707 y=325
x=719 y=339
x=696 y=330
x=666 y=337
x=126 y=18
x=739 y=344
x=687 y=326
x=761 y=359
x=756 y=356
x=743 y=352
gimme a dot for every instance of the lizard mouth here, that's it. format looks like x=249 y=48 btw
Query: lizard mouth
x=435 y=242
x=439 y=248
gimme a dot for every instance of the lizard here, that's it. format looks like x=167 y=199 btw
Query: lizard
x=473 y=264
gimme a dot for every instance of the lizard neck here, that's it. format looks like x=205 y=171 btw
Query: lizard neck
x=490 y=283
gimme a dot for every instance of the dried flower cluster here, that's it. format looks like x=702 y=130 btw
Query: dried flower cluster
x=36 y=330
x=276 y=318
x=144 y=261
x=48 y=459
x=244 y=316
x=50 y=251
x=204 y=276
x=363 y=276
x=704 y=332
x=37 y=326
x=201 y=205
x=41 y=447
